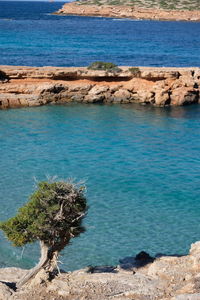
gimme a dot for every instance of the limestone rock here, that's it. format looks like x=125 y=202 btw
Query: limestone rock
x=195 y=254
x=145 y=96
x=139 y=278
x=155 y=76
x=5 y=292
x=187 y=297
x=80 y=87
x=11 y=274
x=96 y=90
x=59 y=286
x=34 y=86
x=92 y=98
x=96 y=94
x=187 y=81
x=77 y=98
x=196 y=74
x=121 y=96
x=162 y=98
x=125 y=11
x=184 y=96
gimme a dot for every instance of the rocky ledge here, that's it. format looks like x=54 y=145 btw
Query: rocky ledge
x=132 y=12
x=139 y=278
x=34 y=86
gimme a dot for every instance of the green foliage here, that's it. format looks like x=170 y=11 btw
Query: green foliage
x=158 y=4
x=53 y=215
x=135 y=71
x=105 y=66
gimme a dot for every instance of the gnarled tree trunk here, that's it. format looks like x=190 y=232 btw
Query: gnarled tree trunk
x=47 y=260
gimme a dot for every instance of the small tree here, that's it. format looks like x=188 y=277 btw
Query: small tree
x=53 y=215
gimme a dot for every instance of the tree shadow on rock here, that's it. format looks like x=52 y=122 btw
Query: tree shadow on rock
x=11 y=285
x=102 y=269
x=141 y=259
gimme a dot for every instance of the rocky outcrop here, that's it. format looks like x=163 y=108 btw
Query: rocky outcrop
x=29 y=86
x=123 y=11
x=139 y=278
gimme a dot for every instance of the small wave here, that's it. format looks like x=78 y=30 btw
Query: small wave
x=127 y=19
x=5 y=19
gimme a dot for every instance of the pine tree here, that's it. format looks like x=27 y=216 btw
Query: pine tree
x=53 y=215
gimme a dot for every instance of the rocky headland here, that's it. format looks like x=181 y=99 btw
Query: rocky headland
x=35 y=86
x=137 y=278
x=81 y=8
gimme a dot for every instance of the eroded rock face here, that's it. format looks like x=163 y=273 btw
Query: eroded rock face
x=140 y=278
x=155 y=86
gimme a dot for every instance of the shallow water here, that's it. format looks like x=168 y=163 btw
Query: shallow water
x=30 y=35
x=140 y=164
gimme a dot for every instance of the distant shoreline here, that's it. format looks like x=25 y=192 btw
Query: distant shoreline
x=131 y=12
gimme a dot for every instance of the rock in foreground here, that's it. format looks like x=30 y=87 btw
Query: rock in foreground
x=142 y=278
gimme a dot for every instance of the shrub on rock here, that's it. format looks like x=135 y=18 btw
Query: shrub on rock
x=53 y=215
x=105 y=66
x=135 y=71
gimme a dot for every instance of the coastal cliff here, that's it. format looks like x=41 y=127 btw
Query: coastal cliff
x=139 y=278
x=35 y=86
x=127 y=11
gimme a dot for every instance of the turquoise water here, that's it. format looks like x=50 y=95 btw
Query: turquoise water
x=140 y=165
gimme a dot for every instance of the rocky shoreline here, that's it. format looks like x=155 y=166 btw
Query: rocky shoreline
x=132 y=12
x=139 y=278
x=35 y=86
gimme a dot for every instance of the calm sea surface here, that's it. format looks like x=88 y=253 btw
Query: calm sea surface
x=30 y=35
x=140 y=164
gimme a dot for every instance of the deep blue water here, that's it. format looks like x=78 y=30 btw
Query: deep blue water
x=30 y=35
x=140 y=164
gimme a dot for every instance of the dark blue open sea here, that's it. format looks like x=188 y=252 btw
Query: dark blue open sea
x=30 y=35
x=141 y=164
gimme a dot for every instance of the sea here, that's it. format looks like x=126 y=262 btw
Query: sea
x=31 y=35
x=140 y=164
